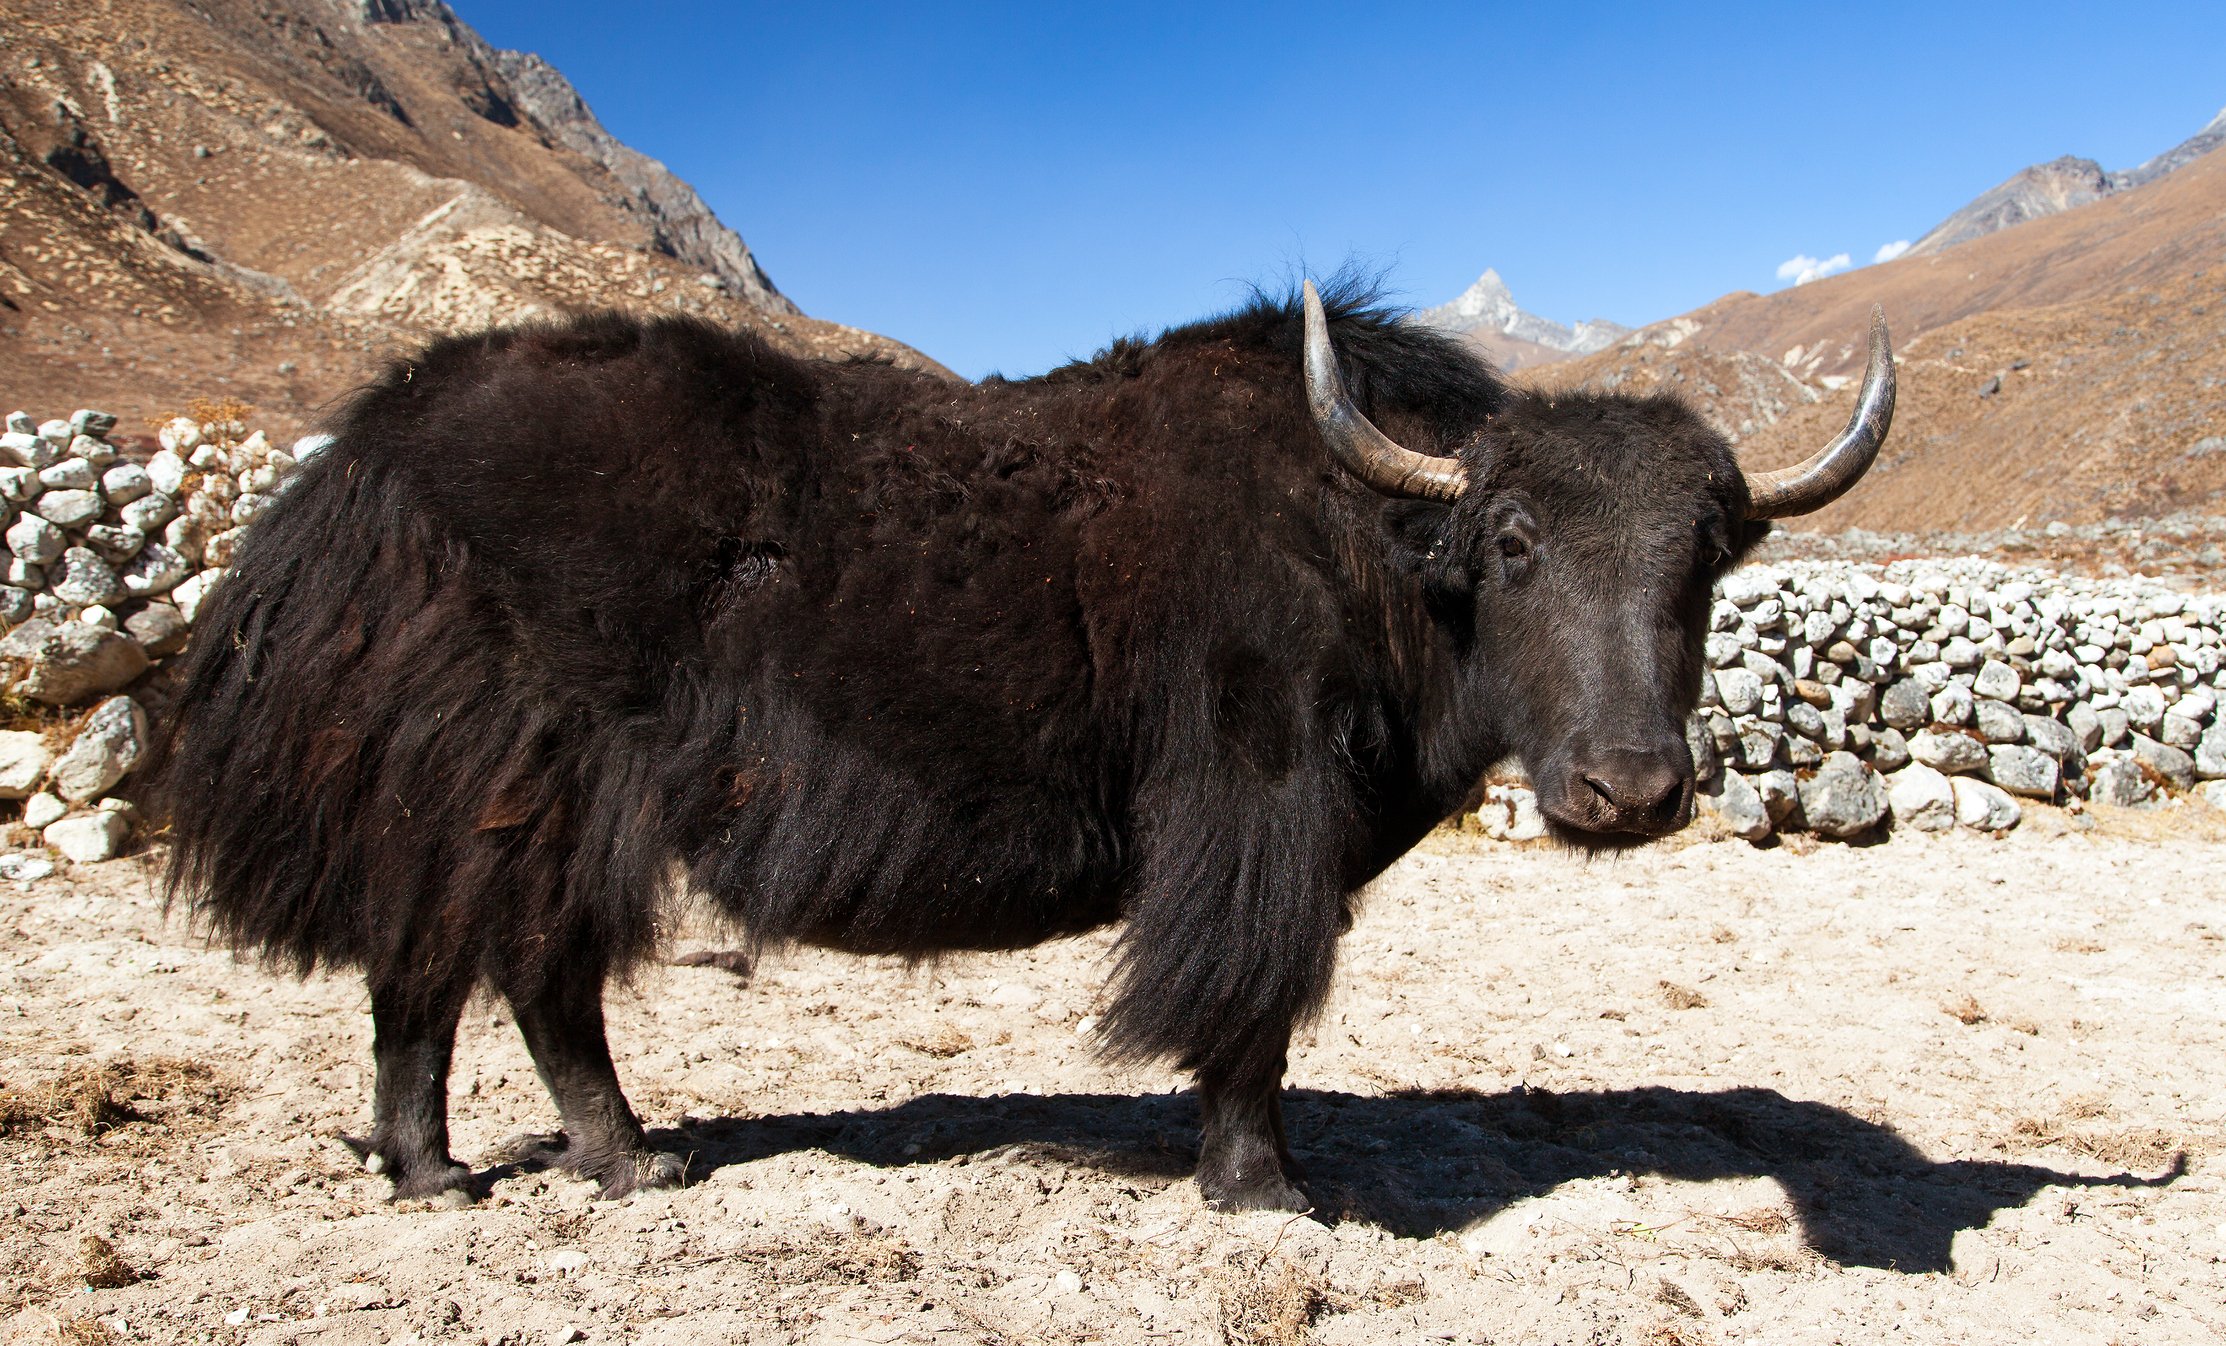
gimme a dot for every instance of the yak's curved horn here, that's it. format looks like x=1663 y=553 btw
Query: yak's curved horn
x=1817 y=482
x=1366 y=452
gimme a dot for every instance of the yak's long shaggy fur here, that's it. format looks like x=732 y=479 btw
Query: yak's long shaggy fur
x=875 y=660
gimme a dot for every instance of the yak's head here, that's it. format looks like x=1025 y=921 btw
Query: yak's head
x=1569 y=549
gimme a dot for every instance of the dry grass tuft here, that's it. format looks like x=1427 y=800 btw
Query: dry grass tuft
x=1673 y=1294
x=84 y=1331
x=102 y=1266
x=2138 y=1147
x=1966 y=1011
x=2070 y=945
x=1272 y=1301
x=1724 y=934
x=1682 y=997
x=831 y=1258
x=942 y=1044
x=1760 y=1220
x=96 y=1099
x=1672 y=1334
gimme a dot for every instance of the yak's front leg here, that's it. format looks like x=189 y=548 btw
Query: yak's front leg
x=562 y=1021
x=1244 y=1161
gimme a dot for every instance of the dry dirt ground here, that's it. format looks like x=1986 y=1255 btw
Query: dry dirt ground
x=1948 y=1090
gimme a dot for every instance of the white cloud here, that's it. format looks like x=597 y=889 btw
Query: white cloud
x=1889 y=251
x=1801 y=269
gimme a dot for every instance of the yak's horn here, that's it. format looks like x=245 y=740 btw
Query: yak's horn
x=1366 y=452
x=1813 y=484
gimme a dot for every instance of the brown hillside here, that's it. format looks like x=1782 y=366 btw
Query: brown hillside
x=2104 y=324
x=257 y=197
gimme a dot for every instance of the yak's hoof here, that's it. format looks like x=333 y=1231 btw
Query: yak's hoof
x=1265 y=1188
x=440 y=1180
x=618 y=1170
x=446 y=1183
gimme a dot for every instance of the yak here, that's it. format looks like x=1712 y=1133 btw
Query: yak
x=1195 y=638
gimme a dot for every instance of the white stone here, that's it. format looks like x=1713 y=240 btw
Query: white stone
x=71 y=474
x=166 y=472
x=89 y=838
x=1739 y=689
x=19 y=484
x=24 y=758
x=1952 y=754
x=34 y=541
x=1921 y=798
x=1985 y=807
x=247 y=507
x=106 y=749
x=149 y=512
x=2023 y=771
x=68 y=509
x=186 y=536
x=181 y=434
x=192 y=593
x=125 y=483
x=43 y=808
x=155 y=569
x=1997 y=680
x=1739 y=804
x=98 y=616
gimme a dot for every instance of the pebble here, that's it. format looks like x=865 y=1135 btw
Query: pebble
x=43 y=808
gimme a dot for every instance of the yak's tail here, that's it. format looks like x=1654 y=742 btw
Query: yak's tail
x=353 y=773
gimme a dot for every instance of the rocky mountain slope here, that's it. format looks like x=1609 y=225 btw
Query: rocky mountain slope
x=1514 y=338
x=255 y=198
x=2072 y=368
x=2058 y=186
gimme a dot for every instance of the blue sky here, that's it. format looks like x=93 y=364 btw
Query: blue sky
x=1007 y=186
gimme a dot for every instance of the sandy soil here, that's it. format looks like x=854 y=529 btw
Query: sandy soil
x=1939 y=1090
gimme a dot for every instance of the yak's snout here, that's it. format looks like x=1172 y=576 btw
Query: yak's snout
x=1623 y=791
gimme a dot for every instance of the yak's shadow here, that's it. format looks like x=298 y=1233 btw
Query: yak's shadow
x=1424 y=1162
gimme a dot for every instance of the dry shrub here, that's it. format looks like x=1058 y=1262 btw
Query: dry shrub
x=1272 y=1302
x=1682 y=997
x=1966 y=1011
x=102 y=1266
x=1672 y=1334
x=1724 y=934
x=942 y=1044
x=2070 y=945
x=828 y=1257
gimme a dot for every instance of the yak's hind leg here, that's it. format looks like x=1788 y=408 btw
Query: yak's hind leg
x=413 y=1038
x=562 y=1021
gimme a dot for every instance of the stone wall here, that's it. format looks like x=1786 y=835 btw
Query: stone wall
x=107 y=563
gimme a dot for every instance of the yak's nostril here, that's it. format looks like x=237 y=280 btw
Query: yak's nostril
x=1641 y=784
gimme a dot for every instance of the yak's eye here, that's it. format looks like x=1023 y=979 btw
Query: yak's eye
x=1513 y=546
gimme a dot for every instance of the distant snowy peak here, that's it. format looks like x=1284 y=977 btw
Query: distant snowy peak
x=2058 y=186
x=1488 y=306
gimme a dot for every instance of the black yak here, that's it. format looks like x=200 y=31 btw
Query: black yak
x=574 y=615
